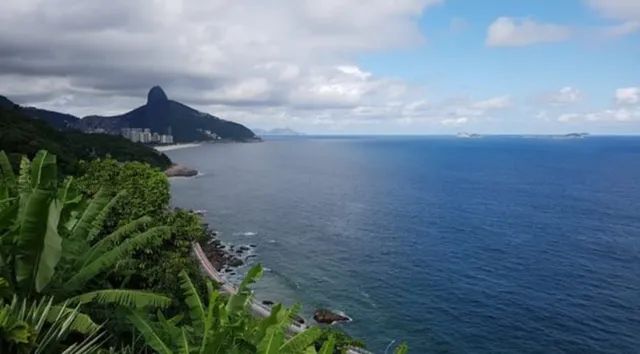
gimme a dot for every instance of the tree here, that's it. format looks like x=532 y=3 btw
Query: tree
x=48 y=237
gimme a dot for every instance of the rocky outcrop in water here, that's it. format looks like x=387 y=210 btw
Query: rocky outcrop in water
x=180 y=171
x=329 y=317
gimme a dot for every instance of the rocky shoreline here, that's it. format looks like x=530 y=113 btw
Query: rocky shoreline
x=177 y=170
x=226 y=258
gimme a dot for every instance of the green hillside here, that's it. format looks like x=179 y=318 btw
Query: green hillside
x=21 y=134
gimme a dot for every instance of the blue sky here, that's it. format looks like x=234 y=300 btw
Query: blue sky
x=336 y=66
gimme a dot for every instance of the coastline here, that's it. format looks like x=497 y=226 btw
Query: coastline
x=163 y=148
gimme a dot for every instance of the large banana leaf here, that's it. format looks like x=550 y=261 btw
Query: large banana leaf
x=38 y=245
x=107 y=260
x=300 y=341
x=194 y=303
x=124 y=297
x=152 y=338
x=115 y=237
x=44 y=171
x=8 y=183
x=76 y=243
x=328 y=346
x=238 y=301
x=272 y=342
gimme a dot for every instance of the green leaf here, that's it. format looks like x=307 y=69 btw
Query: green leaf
x=152 y=338
x=6 y=173
x=76 y=244
x=272 y=342
x=38 y=242
x=300 y=341
x=107 y=260
x=328 y=346
x=115 y=237
x=238 y=301
x=193 y=301
x=44 y=172
x=129 y=298
x=184 y=343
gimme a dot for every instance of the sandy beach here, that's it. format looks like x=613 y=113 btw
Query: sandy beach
x=163 y=148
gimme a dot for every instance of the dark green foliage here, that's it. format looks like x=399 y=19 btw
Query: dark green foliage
x=22 y=135
x=145 y=189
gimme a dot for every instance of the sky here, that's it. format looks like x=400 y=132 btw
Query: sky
x=336 y=66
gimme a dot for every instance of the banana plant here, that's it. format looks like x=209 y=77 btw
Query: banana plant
x=225 y=325
x=49 y=237
x=41 y=327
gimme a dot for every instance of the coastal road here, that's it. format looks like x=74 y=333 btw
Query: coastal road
x=256 y=308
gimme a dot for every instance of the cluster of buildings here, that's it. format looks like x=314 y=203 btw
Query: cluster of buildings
x=145 y=136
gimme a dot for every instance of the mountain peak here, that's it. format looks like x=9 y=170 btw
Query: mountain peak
x=156 y=94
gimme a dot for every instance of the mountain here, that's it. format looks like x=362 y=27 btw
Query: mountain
x=60 y=121
x=21 y=134
x=277 y=132
x=161 y=114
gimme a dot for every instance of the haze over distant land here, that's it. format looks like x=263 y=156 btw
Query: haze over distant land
x=336 y=67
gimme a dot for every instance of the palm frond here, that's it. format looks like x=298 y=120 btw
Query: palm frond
x=107 y=260
x=194 y=303
x=134 y=299
x=328 y=346
x=300 y=341
x=106 y=243
x=239 y=300
x=152 y=338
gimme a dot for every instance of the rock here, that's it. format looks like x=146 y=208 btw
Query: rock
x=267 y=302
x=244 y=248
x=180 y=171
x=239 y=252
x=329 y=317
x=252 y=245
x=235 y=262
x=228 y=270
x=298 y=319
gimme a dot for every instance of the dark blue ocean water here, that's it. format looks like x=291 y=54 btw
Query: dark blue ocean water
x=492 y=245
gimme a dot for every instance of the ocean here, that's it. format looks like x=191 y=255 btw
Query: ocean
x=489 y=245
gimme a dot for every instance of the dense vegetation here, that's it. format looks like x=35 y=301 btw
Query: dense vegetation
x=100 y=264
x=23 y=135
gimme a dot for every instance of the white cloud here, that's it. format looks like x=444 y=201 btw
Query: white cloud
x=247 y=60
x=621 y=29
x=617 y=9
x=628 y=95
x=455 y=121
x=566 y=95
x=627 y=109
x=493 y=103
x=516 y=32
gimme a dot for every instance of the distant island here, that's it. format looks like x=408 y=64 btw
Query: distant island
x=574 y=136
x=159 y=121
x=466 y=135
x=277 y=132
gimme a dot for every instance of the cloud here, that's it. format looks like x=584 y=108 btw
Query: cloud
x=627 y=10
x=518 y=32
x=493 y=103
x=622 y=29
x=288 y=59
x=628 y=95
x=566 y=95
x=454 y=121
x=627 y=109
